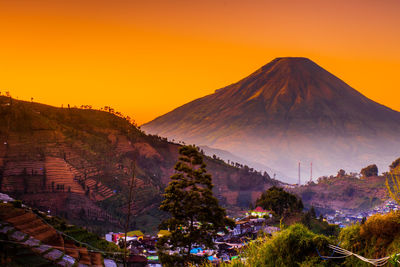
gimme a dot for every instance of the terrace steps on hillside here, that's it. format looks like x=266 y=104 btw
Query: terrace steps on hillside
x=3 y=152
x=92 y=211
x=48 y=237
x=59 y=172
x=12 y=184
x=29 y=223
x=71 y=250
x=20 y=151
x=124 y=145
x=82 y=168
x=75 y=156
x=96 y=259
x=99 y=189
x=84 y=256
x=18 y=184
x=16 y=168
x=22 y=219
x=41 y=231
x=20 y=174
x=36 y=230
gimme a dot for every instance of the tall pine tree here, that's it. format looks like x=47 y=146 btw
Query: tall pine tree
x=196 y=216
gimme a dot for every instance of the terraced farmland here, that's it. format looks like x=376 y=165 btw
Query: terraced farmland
x=35 y=227
x=59 y=173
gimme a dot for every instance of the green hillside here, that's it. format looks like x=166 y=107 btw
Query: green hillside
x=344 y=193
x=76 y=162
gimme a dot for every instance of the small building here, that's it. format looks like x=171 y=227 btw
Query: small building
x=132 y=235
x=258 y=212
x=137 y=233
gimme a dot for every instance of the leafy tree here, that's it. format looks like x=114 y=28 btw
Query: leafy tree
x=395 y=164
x=341 y=173
x=279 y=201
x=196 y=216
x=371 y=170
x=293 y=247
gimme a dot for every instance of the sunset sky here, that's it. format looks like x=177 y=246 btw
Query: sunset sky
x=145 y=58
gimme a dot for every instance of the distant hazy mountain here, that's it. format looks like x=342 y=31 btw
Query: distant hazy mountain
x=231 y=158
x=289 y=110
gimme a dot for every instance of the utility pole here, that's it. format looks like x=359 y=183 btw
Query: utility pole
x=298 y=184
x=129 y=210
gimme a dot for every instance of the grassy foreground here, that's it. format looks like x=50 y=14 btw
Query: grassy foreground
x=296 y=245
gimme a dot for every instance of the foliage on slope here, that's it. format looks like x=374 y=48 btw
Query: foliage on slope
x=343 y=192
x=97 y=147
x=378 y=237
x=279 y=201
x=48 y=231
x=80 y=234
x=296 y=245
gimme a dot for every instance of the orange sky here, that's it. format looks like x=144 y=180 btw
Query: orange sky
x=145 y=58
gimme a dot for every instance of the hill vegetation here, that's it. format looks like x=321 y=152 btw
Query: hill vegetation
x=296 y=245
x=76 y=163
x=343 y=192
x=303 y=244
x=287 y=209
x=279 y=201
x=37 y=236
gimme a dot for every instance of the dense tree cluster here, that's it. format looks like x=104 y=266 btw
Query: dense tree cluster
x=371 y=170
x=395 y=164
x=341 y=173
x=279 y=201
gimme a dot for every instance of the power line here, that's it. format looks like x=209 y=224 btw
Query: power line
x=93 y=249
x=298 y=183
x=345 y=253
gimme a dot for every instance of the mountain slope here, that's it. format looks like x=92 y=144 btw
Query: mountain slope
x=343 y=193
x=233 y=159
x=289 y=110
x=31 y=239
x=77 y=164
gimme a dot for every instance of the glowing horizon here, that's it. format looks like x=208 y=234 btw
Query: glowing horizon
x=145 y=58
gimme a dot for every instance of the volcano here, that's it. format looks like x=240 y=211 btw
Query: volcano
x=288 y=111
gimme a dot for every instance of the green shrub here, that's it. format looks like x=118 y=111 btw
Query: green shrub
x=294 y=246
x=378 y=237
x=371 y=170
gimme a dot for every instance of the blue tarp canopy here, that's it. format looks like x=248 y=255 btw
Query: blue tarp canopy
x=196 y=250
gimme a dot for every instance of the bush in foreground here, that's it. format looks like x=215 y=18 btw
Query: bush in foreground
x=294 y=246
x=378 y=237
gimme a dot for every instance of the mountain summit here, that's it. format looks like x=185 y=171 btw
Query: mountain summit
x=290 y=110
